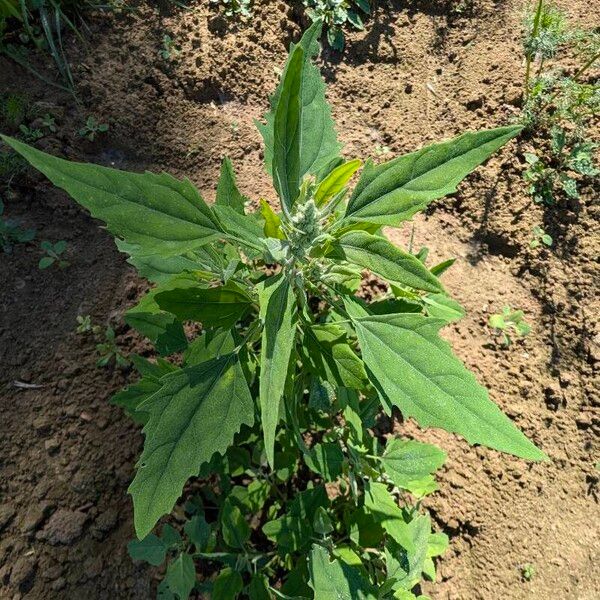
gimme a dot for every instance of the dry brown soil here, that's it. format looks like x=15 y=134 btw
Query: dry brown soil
x=419 y=72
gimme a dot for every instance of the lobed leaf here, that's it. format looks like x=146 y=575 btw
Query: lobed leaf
x=196 y=413
x=157 y=213
x=392 y=192
x=416 y=371
x=384 y=259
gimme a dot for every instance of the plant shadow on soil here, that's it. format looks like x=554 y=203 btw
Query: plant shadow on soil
x=68 y=456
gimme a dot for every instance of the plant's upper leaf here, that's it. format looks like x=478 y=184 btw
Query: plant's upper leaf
x=326 y=459
x=272 y=227
x=336 y=181
x=406 y=461
x=393 y=192
x=196 y=413
x=278 y=313
x=335 y=579
x=330 y=356
x=384 y=259
x=244 y=229
x=440 y=306
x=211 y=344
x=218 y=306
x=299 y=133
x=415 y=370
x=158 y=213
x=227 y=191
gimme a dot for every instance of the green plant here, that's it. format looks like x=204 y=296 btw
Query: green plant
x=85 y=325
x=335 y=14
x=39 y=24
x=11 y=233
x=49 y=122
x=528 y=572
x=318 y=507
x=109 y=350
x=29 y=134
x=559 y=107
x=92 y=128
x=168 y=50
x=54 y=254
x=232 y=8
x=509 y=322
x=540 y=237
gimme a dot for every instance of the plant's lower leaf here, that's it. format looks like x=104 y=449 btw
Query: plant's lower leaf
x=278 y=314
x=406 y=461
x=196 y=413
x=151 y=549
x=227 y=585
x=416 y=371
x=181 y=576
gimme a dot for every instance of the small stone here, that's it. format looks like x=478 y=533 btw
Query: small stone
x=64 y=527
x=7 y=512
x=42 y=424
x=35 y=517
x=58 y=584
x=52 y=445
x=85 y=416
x=23 y=572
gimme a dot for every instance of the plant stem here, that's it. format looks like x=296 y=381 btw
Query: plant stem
x=534 y=32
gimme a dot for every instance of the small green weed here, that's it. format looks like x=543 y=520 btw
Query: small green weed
x=527 y=572
x=510 y=323
x=30 y=134
x=235 y=8
x=54 y=254
x=109 y=351
x=85 y=325
x=559 y=107
x=49 y=122
x=11 y=233
x=92 y=128
x=168 y=50
x=540 y=237
x=335 y=14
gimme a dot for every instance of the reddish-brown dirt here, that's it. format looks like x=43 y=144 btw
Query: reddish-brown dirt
x=420 y=72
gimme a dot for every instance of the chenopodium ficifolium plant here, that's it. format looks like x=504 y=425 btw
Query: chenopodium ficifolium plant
x=266 y=421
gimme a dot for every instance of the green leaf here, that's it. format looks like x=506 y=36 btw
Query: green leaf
x=211 y=344
x=181 y=576
x=259 y=588
x=405 y=565
x=236 y=531
x=219 y=306
x=416 y=371
x=278 y=314
x=198 y=532
x=439 y=306
x=227 y=585
x=393 y=192
x=384 y=259
x=158 y=213
x=385 y=510
x=336 y=181
x=272 y=226
x=227 y=191
x=243 y=229
x=299 y=126
x=326 y=459
x=336 y=579
x=329 y=355
x=196 y=413
x=151 y=549
x=45 y=262
x=408 y=460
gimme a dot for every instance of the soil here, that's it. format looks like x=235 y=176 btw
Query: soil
x=421 y=71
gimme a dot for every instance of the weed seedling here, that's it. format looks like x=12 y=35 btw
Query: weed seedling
x=335 y=14
x=509 y=322
x=540 y=237
x=85 y=325
x=54 y=254
x=30 y=135
x=109 y=351
x=168 y=50
x=92 y=128
x=11 y=233
x=527 y=572
x=235 y=8
x=273 y=402
x=559 y=105
x=49 y=122
x=381 y=150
